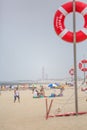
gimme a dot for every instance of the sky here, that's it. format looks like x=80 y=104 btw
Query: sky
x=29 y=46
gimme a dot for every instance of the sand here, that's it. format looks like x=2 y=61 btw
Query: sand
x=30 y=113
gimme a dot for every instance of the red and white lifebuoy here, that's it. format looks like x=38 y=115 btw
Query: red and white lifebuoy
x=71 y=71
x=59 y=20
x=82 y=65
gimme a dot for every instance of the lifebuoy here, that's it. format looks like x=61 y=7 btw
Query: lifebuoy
x=71 y=71
x=59 y=19
x=83 y=89
x=82 y=65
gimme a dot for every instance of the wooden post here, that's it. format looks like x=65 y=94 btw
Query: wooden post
x=48 y=109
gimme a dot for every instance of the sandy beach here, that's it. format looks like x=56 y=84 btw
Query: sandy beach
x=30 y=113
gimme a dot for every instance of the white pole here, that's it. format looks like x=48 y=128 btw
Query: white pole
x=74 y=49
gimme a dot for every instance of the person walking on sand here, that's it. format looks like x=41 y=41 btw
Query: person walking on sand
x=16 y=95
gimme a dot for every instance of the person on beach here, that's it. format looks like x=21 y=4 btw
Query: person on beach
x=16 y=94
x=61 y=90
x=42 y=92
x=0 y=90
x=35 y=93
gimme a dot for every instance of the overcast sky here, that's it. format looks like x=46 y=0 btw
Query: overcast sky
x=29 y=44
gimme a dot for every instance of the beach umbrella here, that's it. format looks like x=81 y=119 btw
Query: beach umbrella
x=57 y=84
x=52 y=85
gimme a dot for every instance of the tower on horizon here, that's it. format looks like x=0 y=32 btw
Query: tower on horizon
x=43 y=71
